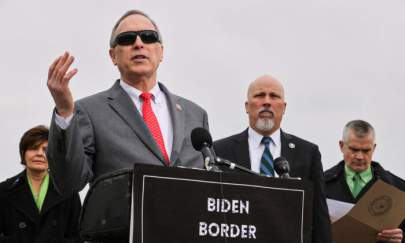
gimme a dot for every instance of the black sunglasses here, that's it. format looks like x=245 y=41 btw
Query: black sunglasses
x=129 y=37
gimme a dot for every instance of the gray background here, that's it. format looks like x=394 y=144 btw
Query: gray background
x=338 y=59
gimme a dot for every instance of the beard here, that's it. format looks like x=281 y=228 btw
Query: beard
x=264 y=124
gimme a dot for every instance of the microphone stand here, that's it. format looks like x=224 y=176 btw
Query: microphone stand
x=211 y=166
x=233 y=166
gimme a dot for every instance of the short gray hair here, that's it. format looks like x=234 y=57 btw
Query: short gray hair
x=128 y=13
x=360 y=128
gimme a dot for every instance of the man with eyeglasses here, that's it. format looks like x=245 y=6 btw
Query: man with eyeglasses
x=137 y=120
x=352 y=177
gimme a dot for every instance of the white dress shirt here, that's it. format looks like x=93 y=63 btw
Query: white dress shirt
x=159 y=107
x=256 y=148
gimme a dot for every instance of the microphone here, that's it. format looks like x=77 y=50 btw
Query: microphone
x=282 y=167
x=202 y=141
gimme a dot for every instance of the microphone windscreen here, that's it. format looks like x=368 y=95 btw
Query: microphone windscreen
x=281 y=165
x=200 y=137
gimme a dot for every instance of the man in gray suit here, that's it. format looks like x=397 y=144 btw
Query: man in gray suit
x=137 y=120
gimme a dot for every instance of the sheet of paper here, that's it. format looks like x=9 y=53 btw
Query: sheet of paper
x=338 y=209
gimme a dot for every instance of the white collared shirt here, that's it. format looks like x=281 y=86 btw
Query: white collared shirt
x=256 y=148
x=159 y=107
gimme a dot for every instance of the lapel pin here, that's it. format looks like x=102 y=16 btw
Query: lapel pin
x=178 y=107
x=291 y=145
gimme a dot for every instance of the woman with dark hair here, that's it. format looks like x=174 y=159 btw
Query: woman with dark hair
x=31 y=210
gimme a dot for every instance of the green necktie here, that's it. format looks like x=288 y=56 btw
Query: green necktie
x=356 y=185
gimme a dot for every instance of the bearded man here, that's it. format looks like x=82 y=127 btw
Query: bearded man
x=263 y=141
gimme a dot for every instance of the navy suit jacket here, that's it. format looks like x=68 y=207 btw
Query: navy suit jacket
x=305 y=162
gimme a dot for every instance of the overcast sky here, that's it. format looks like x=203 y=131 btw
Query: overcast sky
x=338 y=60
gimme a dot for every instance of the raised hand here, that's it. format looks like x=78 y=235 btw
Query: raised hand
x=58 y=84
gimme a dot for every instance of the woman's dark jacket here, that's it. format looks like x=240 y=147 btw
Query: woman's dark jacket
x=21 y=221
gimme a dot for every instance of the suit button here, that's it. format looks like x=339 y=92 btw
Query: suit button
x=22 y=225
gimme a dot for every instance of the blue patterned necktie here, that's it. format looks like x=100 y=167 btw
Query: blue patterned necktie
x=266 y=163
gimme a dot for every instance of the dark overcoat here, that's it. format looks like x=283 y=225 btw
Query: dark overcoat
x=21 y=221
x=337 y=188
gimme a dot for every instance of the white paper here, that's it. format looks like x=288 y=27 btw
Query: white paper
x=338 y=209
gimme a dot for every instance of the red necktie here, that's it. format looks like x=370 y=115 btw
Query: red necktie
x=153 y=124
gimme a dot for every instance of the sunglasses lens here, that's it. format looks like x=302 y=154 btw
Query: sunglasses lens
x=149 y=36
x=126 y=38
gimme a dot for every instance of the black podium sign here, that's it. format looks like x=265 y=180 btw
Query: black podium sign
x=174 y=205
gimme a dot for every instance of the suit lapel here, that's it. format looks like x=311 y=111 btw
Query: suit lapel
x=122 y=104
x=287 y=148
x=343 y=189
x=177 y=116
x=240 y=151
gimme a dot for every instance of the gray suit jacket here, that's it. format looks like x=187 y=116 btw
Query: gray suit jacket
x=108 y=133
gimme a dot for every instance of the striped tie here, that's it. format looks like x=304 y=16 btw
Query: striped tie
x=266 y=164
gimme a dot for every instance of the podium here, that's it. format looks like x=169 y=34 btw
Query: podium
x=179 y=205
